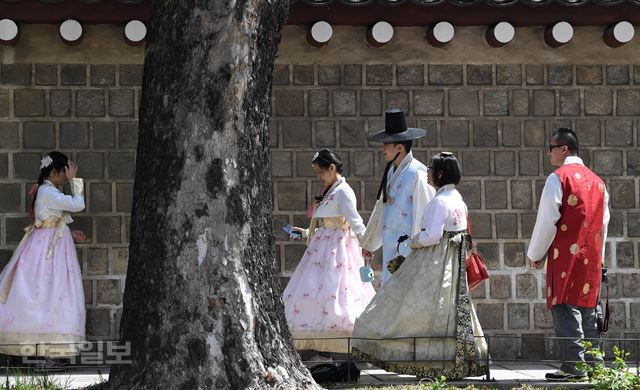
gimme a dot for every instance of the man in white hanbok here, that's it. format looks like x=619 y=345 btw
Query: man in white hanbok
x=403 y=194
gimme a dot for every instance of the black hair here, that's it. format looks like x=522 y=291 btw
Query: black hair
x=445 y=169
x=58 y=162
x=407 y=145
x=568 y=137
x=325 y=158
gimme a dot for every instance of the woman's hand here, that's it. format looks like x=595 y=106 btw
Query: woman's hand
x=70 y=170
x=367 y=255
x=299 y=230
x=78 y=235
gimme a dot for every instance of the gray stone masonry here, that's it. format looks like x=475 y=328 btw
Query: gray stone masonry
x=495 y=118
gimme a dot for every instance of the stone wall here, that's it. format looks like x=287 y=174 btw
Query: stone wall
x=493 y=107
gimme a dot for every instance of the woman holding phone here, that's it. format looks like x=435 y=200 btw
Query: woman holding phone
x=325 y=294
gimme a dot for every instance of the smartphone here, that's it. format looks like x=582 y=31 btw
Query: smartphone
x=292 y=233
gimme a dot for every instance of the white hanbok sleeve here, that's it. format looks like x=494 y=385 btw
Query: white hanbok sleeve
x=605 y=223
x=422 y=195
x=433 y=223
x=54 y=199
x=545 y=228
x=347 y=206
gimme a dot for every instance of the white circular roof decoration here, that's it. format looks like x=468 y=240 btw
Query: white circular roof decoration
x=504 y=32
x=562 y=32
x=135 y=31
x=70 y=30
x=623 y=32
x=8 y=30
x=321 y=32
x=382 y=32
x=443 y=32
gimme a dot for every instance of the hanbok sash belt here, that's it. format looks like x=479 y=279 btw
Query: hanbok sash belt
x=333 y=223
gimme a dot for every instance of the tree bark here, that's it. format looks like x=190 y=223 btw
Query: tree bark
x=202 y=306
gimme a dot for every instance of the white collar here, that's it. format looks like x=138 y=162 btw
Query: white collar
x=573 y=160
x=446 y=187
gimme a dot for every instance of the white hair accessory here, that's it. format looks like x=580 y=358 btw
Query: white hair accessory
x=315 y=157
x=46 y=161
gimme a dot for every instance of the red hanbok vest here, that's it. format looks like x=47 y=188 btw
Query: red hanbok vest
x=574 y=262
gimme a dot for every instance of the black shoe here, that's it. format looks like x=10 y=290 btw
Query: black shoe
x=562 y=376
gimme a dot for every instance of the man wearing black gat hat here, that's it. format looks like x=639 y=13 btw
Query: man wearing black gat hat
x=403 y=194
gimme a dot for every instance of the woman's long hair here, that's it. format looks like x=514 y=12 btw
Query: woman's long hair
x=58 y=162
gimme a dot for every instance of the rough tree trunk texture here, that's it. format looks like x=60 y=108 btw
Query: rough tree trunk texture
x=202 y=306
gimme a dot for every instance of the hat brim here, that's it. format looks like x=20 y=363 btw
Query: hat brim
x=384 y=137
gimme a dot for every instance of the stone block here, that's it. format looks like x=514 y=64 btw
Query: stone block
x=352 y=133
x=534 y=74
x=29 y=102
x=291 y=195
x=328 y=74
x=529 y=163
x=526 y=286
x=534 y=133
x=463 y=102
x=495 y=194
x=98 y=322
x=303 y=164
x=38 y=135
x=46 y=74
x=628 y=102
x=504 y=163
x=431 y=139
x=589 y=74
x=500 y=286
x=507 y=225
x=379 y=74
x=569 y=102
x=588 y=131
x=544 y=102
x=598 y=101
x=476 y=163
x=296 y=133
x=121 y=102
x=100 y=198
x=479 y=75
x=511 y=132
x=534 y=347
x=514 y=253
x=121 y=165
x=518 y=314
x=521 y=194
x=289 y=102
x=274 y=136
x=520 y=106
x=471 y=193
x=481 y=227
x=607 y=162
x=504 y=346
x=5 y=104
x=87 y=287
x=60 y=102
x=326 y=133
x=103 y=75
x=397 y=99
x=623 y=194
x=352 y=74
x=633 y=161
x=73 y=74
x=318 y=102
x=109 y=291
x=90 y=102
x=9 y=135
x=485 y=133
x=130 y=74
x=560 y=74
x=371 y=102
x=108 y=230
x=128 y=134
x=445 y=74
x=280 y=74
x=10 y=198
x=491 y=315
x=303 y=75
x=633 y=224
x=281 y=164
x=496 y=102
x=363 y=164
x=104 y=135
x=124 y=197
x=617 y=319
x=624 y=254
x=292 y=255
x=508 y=74
x=617 y=74
x=15 y=74
x=636 y=74
x=74 y=135
x=542 y=318
x=26 y=165
x=344 y=102
x=527 y=220
x=410 y=74
x=616 y=222
x=120 y=261
x=15 y=229
x=97 y=261
x=428 y=102
x=618 y=132
x=4 y=165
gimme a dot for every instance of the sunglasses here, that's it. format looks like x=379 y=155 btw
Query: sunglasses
x=551 y=147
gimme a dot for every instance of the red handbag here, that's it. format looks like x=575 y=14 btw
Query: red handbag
x=476 y=270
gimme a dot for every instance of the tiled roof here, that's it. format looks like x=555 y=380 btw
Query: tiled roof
x=497 y=3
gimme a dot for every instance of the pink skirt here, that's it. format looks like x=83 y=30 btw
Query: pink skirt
x=325 y=294
x=42 y=309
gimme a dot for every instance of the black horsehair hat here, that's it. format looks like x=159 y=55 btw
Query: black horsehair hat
x=395 y=129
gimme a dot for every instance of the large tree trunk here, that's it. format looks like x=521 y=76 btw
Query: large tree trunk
x=202 y=305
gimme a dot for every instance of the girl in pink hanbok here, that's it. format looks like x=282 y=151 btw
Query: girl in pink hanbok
x=325 y=294
x=41 y=296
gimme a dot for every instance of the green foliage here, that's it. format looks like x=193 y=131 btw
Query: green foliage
x=617 y=377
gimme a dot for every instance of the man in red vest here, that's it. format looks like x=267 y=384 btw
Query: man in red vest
x=570 y=230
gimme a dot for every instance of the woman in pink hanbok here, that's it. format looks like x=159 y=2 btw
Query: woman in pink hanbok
x=42 y=309
x=325 y=294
